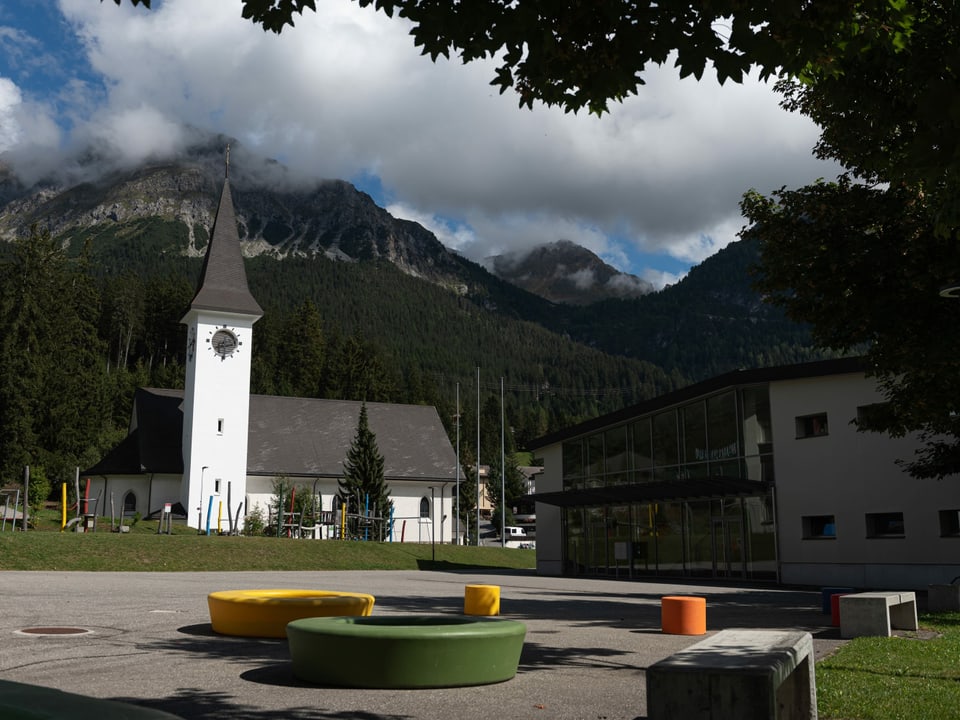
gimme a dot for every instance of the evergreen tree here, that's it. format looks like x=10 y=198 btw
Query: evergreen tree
x=363 y=487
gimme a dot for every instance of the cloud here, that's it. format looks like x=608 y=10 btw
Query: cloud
x=345 y=93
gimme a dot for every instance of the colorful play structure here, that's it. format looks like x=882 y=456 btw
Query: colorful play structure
x=334 y=640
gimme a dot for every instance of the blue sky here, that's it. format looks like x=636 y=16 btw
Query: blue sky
x=653 y=187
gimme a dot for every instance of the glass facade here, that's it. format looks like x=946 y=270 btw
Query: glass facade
x=703 y=532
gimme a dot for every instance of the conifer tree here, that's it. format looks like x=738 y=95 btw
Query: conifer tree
x=363 y=487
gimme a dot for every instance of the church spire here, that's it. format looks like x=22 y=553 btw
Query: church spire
x=223 y=280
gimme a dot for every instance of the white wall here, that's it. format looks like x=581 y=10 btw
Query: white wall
x=549 y=524
x=406 y=496
x=848 y=474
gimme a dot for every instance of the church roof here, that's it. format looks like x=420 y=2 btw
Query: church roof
x=297 y=437
x=223 y=280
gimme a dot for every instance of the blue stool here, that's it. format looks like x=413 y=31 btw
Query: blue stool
x=826 y=592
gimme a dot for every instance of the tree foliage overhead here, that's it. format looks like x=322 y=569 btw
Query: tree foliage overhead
x=583 y=53
x=863 y=259
x=864 y=266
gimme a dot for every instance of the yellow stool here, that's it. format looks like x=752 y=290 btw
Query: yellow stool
x=481 y=600
x=683 y=615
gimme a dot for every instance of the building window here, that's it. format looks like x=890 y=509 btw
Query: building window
x=819 y=527
x=220 y=426
x=950 y=523
x=424 y=508
x=868 y=415
x=880 y=525
x=130 y=503
x=812 y=425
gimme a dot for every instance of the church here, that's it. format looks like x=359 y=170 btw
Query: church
x=212 y=453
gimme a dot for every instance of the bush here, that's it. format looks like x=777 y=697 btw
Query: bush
x=253 y=523
x=39 y=488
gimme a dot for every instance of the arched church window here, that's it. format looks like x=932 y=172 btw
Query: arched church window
x=130 y=502
x=424 y=508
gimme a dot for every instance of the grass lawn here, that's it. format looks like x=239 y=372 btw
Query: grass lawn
x=898 y=678
x=46 y=548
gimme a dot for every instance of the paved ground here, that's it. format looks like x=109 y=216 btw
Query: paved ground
x=587 y=645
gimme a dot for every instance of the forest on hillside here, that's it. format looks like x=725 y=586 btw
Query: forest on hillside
x=86 y=322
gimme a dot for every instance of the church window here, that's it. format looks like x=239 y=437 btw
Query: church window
x=219 y=426
x=130 y=502
x=424 y=508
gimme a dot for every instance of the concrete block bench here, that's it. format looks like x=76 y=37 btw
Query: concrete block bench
x=874 y=613
x=736 y=675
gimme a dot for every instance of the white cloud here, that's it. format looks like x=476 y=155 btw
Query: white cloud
x=345 y=92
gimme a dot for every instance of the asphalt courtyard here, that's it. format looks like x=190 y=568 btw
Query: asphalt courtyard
x=147 y=640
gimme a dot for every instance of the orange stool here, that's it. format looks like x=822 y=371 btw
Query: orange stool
x=481 y=600
x=683 y=615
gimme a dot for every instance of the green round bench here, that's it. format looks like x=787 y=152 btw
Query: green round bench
x=265 y=613
x=405 y=651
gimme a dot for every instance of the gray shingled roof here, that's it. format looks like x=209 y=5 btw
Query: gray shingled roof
x=223 y=281
x=302 y=437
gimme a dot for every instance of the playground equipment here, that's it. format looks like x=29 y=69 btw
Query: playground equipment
x=265 y=613
x=405 y=651
x=6 y=508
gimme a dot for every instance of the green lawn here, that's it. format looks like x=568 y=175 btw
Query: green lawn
x=898 y=678
x=45 y=548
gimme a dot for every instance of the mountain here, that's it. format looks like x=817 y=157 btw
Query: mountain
x=432 y=310
x=564 y=272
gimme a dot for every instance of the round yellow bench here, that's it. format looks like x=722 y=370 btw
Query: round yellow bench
x=265 y=613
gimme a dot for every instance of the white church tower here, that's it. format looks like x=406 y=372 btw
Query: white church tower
x=216 y=403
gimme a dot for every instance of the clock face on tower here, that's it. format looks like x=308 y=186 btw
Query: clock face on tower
x=224 y=342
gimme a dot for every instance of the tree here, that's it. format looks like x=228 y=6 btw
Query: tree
x=862 y=259
x=863 y=266
x=584 y=53
x=363 y=487
x=52 y=403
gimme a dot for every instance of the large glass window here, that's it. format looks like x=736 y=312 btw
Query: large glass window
x=572 y=464
x=722 y=426
x=665 y=444
x=617 y=461
x=694 y=432
x=595 y=455
x=757 y=429
x=642 y=449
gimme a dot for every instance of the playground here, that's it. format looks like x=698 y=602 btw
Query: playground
x=146 y=639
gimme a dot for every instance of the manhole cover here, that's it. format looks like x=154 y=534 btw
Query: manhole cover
x=54 y=631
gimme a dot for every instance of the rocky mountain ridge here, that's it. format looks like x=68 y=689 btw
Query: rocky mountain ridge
x=564 y=272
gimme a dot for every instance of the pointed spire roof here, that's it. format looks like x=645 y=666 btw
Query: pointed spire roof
x=223 y=280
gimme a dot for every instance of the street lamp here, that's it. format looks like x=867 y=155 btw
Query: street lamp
x=433 y=514
x=200 y=505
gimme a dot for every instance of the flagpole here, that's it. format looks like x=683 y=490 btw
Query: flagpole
x=503 y=477
x=458 y=463
x=478 y=455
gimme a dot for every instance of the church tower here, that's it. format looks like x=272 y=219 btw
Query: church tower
x=216 y=402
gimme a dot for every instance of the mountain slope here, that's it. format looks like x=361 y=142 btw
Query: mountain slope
x=564 y=272
x=154 y=219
